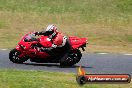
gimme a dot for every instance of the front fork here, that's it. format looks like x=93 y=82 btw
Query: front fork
x=18 y=48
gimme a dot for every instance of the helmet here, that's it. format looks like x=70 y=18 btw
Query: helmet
x=51 y=28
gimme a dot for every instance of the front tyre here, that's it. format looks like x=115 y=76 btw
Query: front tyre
x=14 y=56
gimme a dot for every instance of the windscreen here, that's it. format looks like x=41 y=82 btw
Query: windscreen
x=29 y=37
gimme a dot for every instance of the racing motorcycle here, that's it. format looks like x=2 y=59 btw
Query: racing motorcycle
x=27 y=48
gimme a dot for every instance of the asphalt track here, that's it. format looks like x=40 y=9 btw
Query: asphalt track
x=92 y=63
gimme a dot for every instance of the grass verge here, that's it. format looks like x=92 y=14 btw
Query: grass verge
x=43 y=79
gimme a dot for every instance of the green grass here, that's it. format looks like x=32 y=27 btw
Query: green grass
x=85 y=11
x=43 y=79
x=107 y=23
x=88 y=10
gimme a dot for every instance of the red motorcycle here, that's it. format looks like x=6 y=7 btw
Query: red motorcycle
x=27 y=48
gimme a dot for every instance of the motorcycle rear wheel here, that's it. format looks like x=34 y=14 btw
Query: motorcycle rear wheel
x=13 y=56
x=73 y=58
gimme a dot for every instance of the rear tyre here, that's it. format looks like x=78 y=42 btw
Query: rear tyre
x=13 y=56
x=72 y=58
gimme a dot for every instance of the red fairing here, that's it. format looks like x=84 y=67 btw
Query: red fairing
x=45 y=41
x=26 y=49
x=18 y=47
x=77 y=42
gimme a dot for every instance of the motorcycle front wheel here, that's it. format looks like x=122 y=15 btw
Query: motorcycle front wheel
x=14 y=56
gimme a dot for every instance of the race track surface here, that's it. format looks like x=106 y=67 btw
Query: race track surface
x=92 y=63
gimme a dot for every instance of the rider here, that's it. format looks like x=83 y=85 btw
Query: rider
x=59 y=41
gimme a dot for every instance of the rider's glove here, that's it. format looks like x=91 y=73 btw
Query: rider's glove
x=36 y=33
